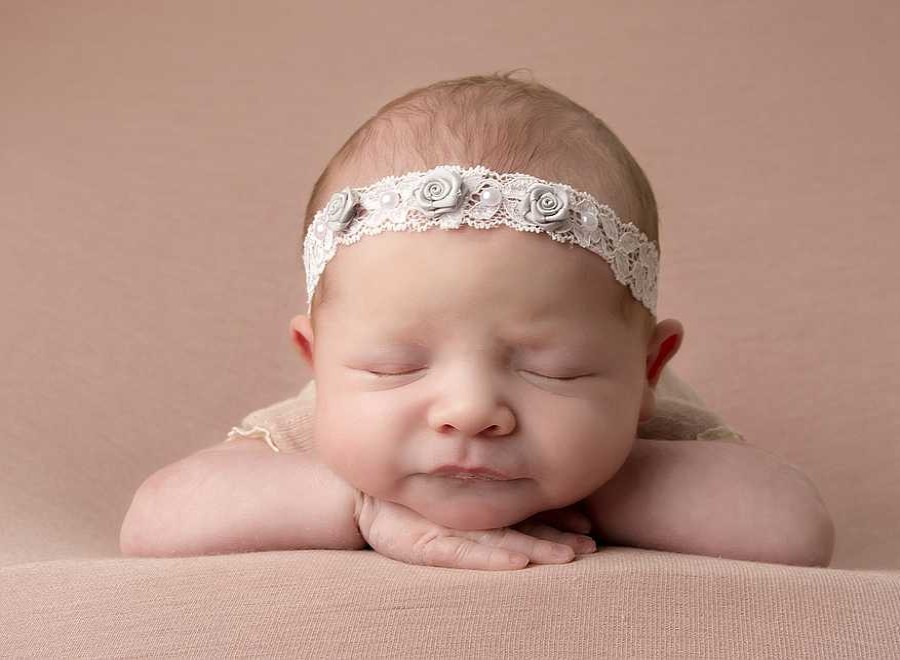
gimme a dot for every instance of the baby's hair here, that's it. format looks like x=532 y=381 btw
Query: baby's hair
x=507 y=125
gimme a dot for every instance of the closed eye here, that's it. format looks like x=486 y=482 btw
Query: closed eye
x=558 y=378
x=382 y=374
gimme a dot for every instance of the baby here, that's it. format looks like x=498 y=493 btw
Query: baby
x=482 y=261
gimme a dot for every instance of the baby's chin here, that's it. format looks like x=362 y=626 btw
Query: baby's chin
x=472 y=508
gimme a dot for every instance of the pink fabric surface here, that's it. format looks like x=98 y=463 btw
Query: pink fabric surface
x=619 y=602
x=154 y=166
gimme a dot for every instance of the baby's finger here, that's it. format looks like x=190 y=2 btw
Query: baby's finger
x=540 y=551
x=459 y=552
x=580 y=543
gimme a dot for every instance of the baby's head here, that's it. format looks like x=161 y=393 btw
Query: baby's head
x=482 y=347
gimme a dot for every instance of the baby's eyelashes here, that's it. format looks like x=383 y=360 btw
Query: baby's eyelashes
x=395 y=373
x=560 y=377
x=385 y=374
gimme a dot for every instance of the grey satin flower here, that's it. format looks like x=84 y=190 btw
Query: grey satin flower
x=545 y=206
x=439 y=193
x=340 y=210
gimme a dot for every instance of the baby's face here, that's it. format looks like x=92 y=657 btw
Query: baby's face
x=493 y=348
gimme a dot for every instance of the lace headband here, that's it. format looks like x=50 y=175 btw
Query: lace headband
x=449 y=196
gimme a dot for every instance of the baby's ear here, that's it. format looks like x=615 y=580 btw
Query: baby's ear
x=302 y=337
x=662 y=347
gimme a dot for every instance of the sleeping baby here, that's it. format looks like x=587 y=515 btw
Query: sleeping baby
x=481 y=264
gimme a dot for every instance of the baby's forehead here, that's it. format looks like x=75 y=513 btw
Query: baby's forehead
x=409 y=295
x=522 y=266
x=507 y=328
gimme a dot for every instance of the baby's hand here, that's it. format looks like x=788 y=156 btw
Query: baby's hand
x=400 y=533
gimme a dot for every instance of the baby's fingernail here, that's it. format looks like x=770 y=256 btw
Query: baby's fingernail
x=587 y=545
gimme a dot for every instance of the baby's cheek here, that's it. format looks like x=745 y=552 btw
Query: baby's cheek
x=352 y=449
x=336 y=441
x=582 y=457
x=605 y=458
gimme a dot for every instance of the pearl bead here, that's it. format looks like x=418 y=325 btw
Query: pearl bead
x=490 y=196
x=589 y=219
x=389 y=200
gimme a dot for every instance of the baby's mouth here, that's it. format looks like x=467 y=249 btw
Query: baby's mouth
x=469 y=476
x=470 y=472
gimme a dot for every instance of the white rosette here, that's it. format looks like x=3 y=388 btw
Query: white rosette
x=439 y=195
x=340 y=210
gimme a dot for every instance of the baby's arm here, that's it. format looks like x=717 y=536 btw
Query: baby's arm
x=721 y=499
x=240 y=496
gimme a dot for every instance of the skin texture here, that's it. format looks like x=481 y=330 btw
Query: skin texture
x=448 y=315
